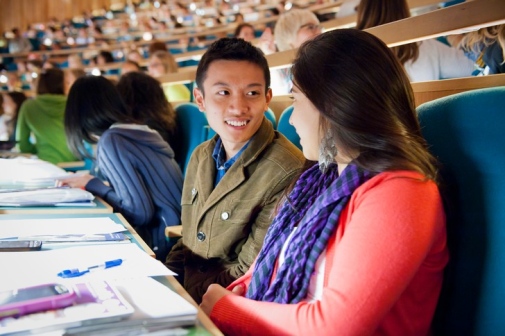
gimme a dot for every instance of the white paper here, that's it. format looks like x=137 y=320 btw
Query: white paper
x=153 y=299
x=10 y=228
x=21 y=269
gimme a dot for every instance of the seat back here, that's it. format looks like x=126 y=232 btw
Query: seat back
x=192 y=127
x=271 y=116
x=466 y=132
x=287 y=129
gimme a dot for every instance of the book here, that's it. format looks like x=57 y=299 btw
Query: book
x=97 y=302
x=135 y=306
x=73 y=238
x=47 y=197
x=156 y=308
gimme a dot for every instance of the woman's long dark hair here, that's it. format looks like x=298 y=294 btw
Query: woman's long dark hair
x=93 y=105
x=373 y=13
x=145 y=97
x=365 y=98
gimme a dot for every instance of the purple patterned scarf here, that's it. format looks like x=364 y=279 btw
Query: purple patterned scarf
x=314 y=205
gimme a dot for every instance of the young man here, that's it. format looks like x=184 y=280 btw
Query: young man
x=233 y=181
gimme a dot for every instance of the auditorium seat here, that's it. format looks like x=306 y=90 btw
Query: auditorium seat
x=288 y=130
x=192 y=126
x=465 y=132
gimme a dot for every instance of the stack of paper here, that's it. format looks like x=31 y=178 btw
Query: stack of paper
x=46 y=197
x=28 y=173
x=154 y=306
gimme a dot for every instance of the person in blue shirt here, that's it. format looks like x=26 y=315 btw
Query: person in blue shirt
x=145 y=181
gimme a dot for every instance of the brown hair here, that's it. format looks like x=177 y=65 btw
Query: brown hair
x=370 y=110
x=373 y=13
x=50 y=81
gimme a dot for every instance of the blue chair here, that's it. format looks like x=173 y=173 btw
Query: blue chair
x=192 y=126
x=269 y=114
x=465 y=132
x=286 y=129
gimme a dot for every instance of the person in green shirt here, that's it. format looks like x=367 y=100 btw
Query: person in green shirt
x=41 y=119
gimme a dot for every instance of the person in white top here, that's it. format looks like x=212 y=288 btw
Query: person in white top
x=423 y=61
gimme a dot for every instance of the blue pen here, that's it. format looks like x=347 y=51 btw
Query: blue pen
x=75 y=272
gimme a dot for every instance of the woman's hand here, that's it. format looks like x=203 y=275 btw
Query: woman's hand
x=215 y=292
x=76 y=180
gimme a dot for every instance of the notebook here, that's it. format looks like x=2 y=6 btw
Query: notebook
x=97 y=302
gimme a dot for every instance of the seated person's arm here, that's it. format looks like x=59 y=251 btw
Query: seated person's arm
x=23 y=134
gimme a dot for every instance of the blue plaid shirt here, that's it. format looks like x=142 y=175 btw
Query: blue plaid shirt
x=219 y=156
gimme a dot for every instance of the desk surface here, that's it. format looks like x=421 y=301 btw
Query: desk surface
x=101 y=208
x=116 y=217
x=204 y=325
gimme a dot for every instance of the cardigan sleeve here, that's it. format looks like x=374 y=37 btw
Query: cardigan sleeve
x=397 y=221
x=128 y=194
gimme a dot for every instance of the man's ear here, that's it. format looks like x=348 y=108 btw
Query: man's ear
x=268 y=97
x=198 y=94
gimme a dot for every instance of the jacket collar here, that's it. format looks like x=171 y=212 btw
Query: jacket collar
x=236 y=174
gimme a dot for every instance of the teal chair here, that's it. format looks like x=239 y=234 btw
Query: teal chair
x=269 y=114
x=192 y=126
x=466 y=132
x=287 y=129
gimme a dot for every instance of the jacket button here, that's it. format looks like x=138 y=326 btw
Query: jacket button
x=193 y=191
x=200 y=236
x=225 y=216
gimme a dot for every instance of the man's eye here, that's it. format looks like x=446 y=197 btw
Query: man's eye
x=223 y=93
x=253 y=93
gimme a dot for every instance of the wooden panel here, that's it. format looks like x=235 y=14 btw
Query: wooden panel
x=19 y=13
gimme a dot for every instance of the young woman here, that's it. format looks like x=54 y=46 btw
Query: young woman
x=12 y=102
x=358 y=246
x=145 y=180
x=291 y=30
x=424 y=61
x=162 y=63
x=146 y=99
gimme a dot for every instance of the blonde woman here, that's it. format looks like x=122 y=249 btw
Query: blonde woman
x=487 y=45
x=162 y=63
x=292 y=29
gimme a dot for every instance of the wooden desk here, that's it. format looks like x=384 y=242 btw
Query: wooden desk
x=101 y=208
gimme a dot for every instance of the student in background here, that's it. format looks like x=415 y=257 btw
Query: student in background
x=423 y=61
x=147 y=102
x=145 y=180
x=71 y=75
x=488 y=46
x=43 y=117
x=358 y=245
x=245 y=31
x=75 y=61
x=233 y=181
x=129 y=66
x=11 y=104
x=291 y=30
x=162 y=63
